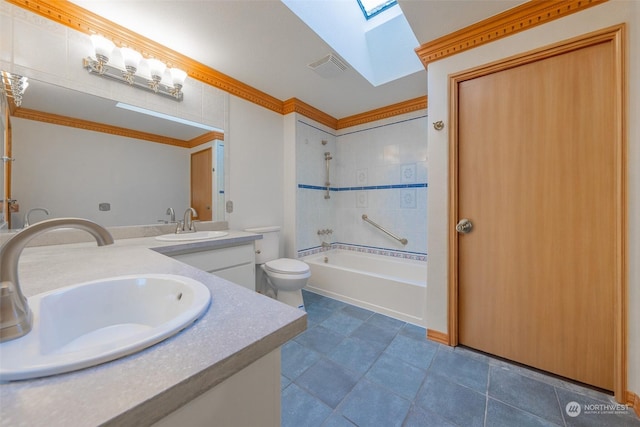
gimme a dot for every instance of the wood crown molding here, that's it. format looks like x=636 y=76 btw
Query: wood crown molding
x=209 y=136
x=512 y=21
x=294 y=105
x=439 y=337
x=79 y=19
x=23 y=113
x=404 y=107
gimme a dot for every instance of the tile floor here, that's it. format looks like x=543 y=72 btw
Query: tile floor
x=353 y=367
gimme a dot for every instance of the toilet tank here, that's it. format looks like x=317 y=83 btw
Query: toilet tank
x=267 y=248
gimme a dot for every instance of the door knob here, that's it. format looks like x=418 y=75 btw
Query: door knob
x=464 y=226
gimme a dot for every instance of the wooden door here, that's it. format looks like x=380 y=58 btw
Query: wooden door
x=201 y=184
x=539 y=175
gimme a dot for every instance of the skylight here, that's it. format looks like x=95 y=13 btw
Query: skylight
x=371 y=8
x=381 y=49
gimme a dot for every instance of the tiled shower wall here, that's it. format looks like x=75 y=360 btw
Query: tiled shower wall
x=378 y=169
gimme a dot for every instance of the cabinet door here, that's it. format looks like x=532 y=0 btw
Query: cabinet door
x=243 y=275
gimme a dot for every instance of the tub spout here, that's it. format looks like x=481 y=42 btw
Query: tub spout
x=15 y=315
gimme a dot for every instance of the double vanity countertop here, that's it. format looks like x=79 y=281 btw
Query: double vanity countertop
x=238 y=328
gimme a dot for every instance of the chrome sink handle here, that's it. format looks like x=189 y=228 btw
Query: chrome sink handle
x=15 y=315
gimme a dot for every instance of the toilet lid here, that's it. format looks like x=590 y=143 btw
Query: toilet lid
x=287 y=266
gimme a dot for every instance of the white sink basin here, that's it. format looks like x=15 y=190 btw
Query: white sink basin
x=198 y=235
x=95 y=322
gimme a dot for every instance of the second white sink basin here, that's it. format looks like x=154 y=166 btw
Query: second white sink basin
x=198 y=235
x=95 y=322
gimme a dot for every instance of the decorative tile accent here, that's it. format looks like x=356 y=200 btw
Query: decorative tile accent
x=415 y=256
x=408 y=199
x=362 y=176
x=408 y=173
x=361 y=199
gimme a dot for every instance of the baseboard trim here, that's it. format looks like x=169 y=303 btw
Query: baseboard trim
x=439 y=337
x=633 y=400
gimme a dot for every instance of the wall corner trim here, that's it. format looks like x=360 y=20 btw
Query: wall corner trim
x=512 y=21
x=437 y=336
x=633 y=401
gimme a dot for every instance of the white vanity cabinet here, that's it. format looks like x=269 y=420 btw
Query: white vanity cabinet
x=234 y=263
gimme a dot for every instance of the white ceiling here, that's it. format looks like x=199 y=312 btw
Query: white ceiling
x=265 y=45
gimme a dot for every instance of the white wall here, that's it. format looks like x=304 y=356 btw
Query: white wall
x=595 y=18
x=70 y=171
x=254 y=140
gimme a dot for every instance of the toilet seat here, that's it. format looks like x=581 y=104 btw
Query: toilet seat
x=287 y=266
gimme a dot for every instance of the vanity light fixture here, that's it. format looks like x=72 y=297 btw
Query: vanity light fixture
x=104 y=52
x=15 y=86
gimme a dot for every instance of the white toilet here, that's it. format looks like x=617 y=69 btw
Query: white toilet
x=285 y=276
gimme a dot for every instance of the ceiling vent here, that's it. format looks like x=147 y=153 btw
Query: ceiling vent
x=329 y=66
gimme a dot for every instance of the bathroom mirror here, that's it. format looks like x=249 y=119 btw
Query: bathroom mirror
x=106 y=169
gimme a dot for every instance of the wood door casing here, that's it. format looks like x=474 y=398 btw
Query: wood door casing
x=538 y=169
x=201 y=185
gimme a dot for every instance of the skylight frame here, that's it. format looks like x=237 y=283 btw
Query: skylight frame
x=381 y=7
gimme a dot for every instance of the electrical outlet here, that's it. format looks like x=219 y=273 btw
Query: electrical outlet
x=229 y=206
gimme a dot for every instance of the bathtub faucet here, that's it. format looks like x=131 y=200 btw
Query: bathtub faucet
x=325 y=245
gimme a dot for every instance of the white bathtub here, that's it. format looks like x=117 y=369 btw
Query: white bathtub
x=392 y=286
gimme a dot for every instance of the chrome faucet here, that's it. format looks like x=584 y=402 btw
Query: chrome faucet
x=172 y=215
x=187 y=225
x=26 y=222
x=15 y=314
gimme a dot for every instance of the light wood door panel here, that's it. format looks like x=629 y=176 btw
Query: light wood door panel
x=537 y=177
x=201 y=183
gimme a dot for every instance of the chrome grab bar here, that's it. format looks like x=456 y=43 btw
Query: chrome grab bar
x=327 y=157
x=384 y=230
